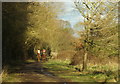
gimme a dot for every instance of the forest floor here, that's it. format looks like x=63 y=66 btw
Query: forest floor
x=53 y=71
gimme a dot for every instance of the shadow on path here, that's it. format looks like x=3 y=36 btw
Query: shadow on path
x=34 y=72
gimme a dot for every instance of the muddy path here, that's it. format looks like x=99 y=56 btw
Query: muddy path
x=35 y=72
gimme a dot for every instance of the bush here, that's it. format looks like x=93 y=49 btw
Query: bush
x=65 y=55
x=77 y=58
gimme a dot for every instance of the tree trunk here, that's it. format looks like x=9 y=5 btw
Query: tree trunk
x=85 y=62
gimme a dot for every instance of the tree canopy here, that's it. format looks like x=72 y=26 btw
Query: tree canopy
x=32 y=25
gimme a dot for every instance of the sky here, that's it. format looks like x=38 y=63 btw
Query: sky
x=71 y=14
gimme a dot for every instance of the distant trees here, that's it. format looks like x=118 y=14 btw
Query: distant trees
x=29 y=26
x=100 y=29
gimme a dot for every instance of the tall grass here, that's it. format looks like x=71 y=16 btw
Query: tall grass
x=4 y=73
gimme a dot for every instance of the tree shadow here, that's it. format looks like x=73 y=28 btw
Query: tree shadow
x=35 y=70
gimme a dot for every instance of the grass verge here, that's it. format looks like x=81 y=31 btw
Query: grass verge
x=94 y=74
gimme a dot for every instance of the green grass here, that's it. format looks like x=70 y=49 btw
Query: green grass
x=12 y=78
x=30 y=61
x=7 y=76
x=64 y=70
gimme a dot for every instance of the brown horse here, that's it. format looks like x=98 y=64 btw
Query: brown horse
x=43 y=56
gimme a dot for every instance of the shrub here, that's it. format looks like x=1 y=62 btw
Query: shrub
x=77 y=58
x=65 y=55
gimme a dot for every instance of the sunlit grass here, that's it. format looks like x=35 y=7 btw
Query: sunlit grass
x=57 y=65
x=7 y=77
x=30 y=60
x=11 y=78
x=62 y=69
x=97 y=73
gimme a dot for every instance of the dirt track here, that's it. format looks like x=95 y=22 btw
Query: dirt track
x=34 y=72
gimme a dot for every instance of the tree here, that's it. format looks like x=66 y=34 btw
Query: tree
x=44 y=25
x=29 y=26
x=14 y=26
x=98 y=16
